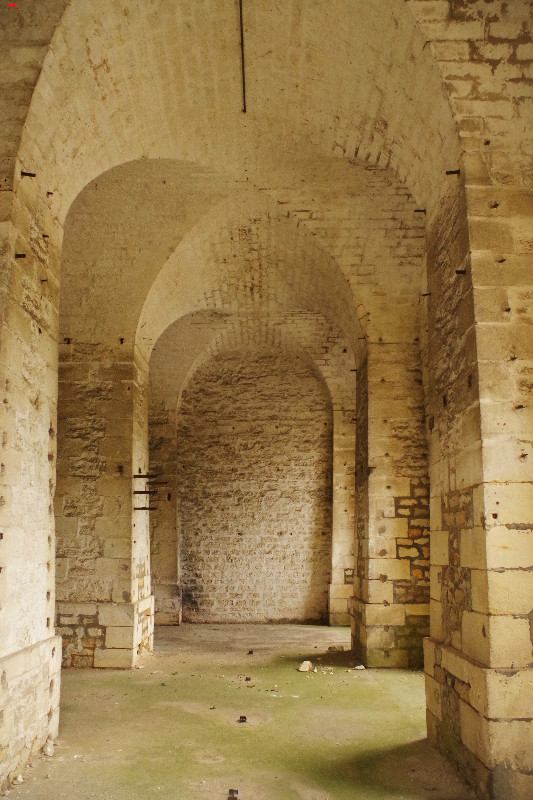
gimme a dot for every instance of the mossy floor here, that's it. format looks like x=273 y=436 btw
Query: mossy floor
x=170 y=730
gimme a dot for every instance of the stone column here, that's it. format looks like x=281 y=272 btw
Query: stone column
x=342 y=573
x=163 y=521
x=29 y=648
x=390 y=606
x=103 y=590
x=480 y=655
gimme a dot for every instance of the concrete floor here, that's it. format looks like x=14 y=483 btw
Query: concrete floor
x=170 y=729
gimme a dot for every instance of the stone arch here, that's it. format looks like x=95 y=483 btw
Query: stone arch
x=312 y=341
x=336 y=109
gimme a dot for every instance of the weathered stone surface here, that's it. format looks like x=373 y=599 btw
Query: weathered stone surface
x=300 y=224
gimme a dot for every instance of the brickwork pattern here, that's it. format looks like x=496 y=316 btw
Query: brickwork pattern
x=254 y=491
x=94 y=109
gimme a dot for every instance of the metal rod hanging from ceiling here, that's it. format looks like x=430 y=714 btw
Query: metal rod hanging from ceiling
x=242 y=60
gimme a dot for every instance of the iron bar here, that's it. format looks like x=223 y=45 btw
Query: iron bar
x=242 y=59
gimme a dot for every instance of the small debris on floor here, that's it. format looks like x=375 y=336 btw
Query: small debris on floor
x=48 y=749
x=242 y=718
x=250 y=652
x=305 y=666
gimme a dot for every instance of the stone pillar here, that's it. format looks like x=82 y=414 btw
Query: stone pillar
x=480 y=654
x=29 y=648
x=104 y=603
x=163 y=520
x=391 y=598
x=342 y=572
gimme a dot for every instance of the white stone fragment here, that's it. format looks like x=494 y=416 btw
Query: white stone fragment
x=48 y=749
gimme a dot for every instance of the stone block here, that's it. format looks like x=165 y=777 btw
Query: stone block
x=510 y=642
x=417 y=609
x=379 y=547
x=435 y=620
x=376 y=591
x=388 y=659
x=391 y=569
x=340 y=591
x=387 y=528
x=384 y=615
x=454 y=662
x=497 y=741
x=146 y=605
x=336 y=619
x=380 y=638
x=509 y=548
x=119 y=637
x=117 y=615
x=475 y=636
x=113 y=659
x=501 y=695
x=512 y=503
x=433 y=696
x=429 y=656
x=510 y=592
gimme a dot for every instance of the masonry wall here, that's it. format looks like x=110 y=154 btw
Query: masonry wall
x=391 y=603
x=163 y=517
x=103 y=588
x=254 y=491
x=479 y=655
x=29 y=648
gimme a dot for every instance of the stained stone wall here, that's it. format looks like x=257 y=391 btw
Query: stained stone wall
x=103 y=586
x=254 y=491
x=391 y=603
x=309 y=211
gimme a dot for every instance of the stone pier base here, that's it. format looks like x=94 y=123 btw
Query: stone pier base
x=105 y=634
x=339 y=604
x=29 y=704
x=482 y=719
x=168 y=604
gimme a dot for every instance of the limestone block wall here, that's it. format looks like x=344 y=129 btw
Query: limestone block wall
x=254 y=491
x=343 y=524
x=455 y=458
x=391 y=602
x=479 y=656
x=103 y=600
x=163 y=519
x=29 y=679
x=29 y=704
x=179 y=352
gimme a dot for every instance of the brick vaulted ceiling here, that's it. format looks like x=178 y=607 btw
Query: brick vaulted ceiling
x=348 y=131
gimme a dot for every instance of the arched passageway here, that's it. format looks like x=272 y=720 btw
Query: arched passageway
x=371 y=210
